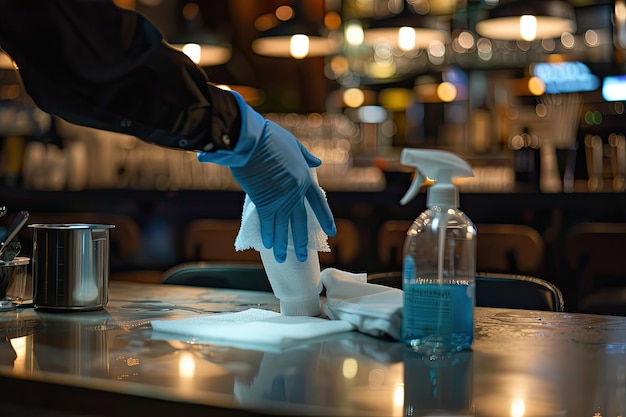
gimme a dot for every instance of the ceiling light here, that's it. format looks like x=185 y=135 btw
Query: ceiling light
x=527 y=20
x=203 y=46
x=407 y=30
x=296 y=38
x=205 y=51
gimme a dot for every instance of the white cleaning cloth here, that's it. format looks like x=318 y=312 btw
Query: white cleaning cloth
x=296 y=284
x=373 y=309
x=249 y=236
x=250 y=329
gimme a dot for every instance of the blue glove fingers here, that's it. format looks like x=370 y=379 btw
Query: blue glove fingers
x=267 y=229
x=311 y=160
x=299 y=232
x=320 y=207
x=281 y=236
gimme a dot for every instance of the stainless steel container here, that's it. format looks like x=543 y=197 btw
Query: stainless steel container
x=13 y=279
x=70 y=266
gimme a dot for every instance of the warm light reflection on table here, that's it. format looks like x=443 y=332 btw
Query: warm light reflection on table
x=523 y=364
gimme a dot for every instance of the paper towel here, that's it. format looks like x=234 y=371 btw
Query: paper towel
x=296 y=284
x=250 y=329
x=373 y=309
x=249 y=236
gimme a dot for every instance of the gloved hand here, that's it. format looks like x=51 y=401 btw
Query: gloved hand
x=273 y=168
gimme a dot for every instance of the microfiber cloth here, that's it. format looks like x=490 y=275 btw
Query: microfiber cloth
x=373 y=309
x=253 y=328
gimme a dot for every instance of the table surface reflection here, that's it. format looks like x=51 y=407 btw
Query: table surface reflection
x=523 y=363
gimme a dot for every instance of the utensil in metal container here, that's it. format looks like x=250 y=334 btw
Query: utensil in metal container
x=13 y=249
x=70 y=266
x=15 y=228
x=13 y=276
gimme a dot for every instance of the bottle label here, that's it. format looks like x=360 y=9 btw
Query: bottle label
x=429 y=307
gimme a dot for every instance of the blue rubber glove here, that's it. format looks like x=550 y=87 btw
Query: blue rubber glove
x=273 y=168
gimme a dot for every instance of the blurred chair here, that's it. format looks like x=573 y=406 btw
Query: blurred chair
x=344 y=246
x=509 y=248
x=517 y=291
x=214 y=240
x=506 y=248
x=500 y=290
x=218 y=275
x=594 y=255
x=391 y=236
x=492 y=290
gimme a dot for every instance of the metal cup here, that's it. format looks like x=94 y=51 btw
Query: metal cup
x=70 y=266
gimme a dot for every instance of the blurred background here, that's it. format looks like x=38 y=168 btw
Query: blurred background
x=530 y=92
x=378 y=75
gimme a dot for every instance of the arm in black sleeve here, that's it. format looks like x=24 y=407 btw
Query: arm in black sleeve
x=98 y=65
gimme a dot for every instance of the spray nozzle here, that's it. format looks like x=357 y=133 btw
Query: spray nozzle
x=439 y=166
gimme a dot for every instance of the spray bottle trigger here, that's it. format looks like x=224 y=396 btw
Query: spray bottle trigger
x=413 y=189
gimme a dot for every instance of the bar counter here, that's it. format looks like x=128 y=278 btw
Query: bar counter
x=110 y=363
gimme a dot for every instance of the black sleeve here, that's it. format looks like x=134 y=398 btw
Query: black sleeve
x=98 y=65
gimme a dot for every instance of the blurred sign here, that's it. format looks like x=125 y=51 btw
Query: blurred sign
x=565 y=77
x=614 y=88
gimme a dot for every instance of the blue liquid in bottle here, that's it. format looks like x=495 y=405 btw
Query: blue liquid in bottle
x=438 y=283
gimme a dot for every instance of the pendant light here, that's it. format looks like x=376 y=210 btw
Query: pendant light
x=407 y=30
x=297 y=37
x=527 y=20
x=205 y=47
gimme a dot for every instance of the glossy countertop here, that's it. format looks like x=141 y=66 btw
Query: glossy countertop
x=109 y=362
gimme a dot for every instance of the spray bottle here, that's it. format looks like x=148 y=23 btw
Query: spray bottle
x=439 y=260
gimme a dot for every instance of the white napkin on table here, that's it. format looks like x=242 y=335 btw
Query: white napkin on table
x=250 y=329
x=373 y=309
